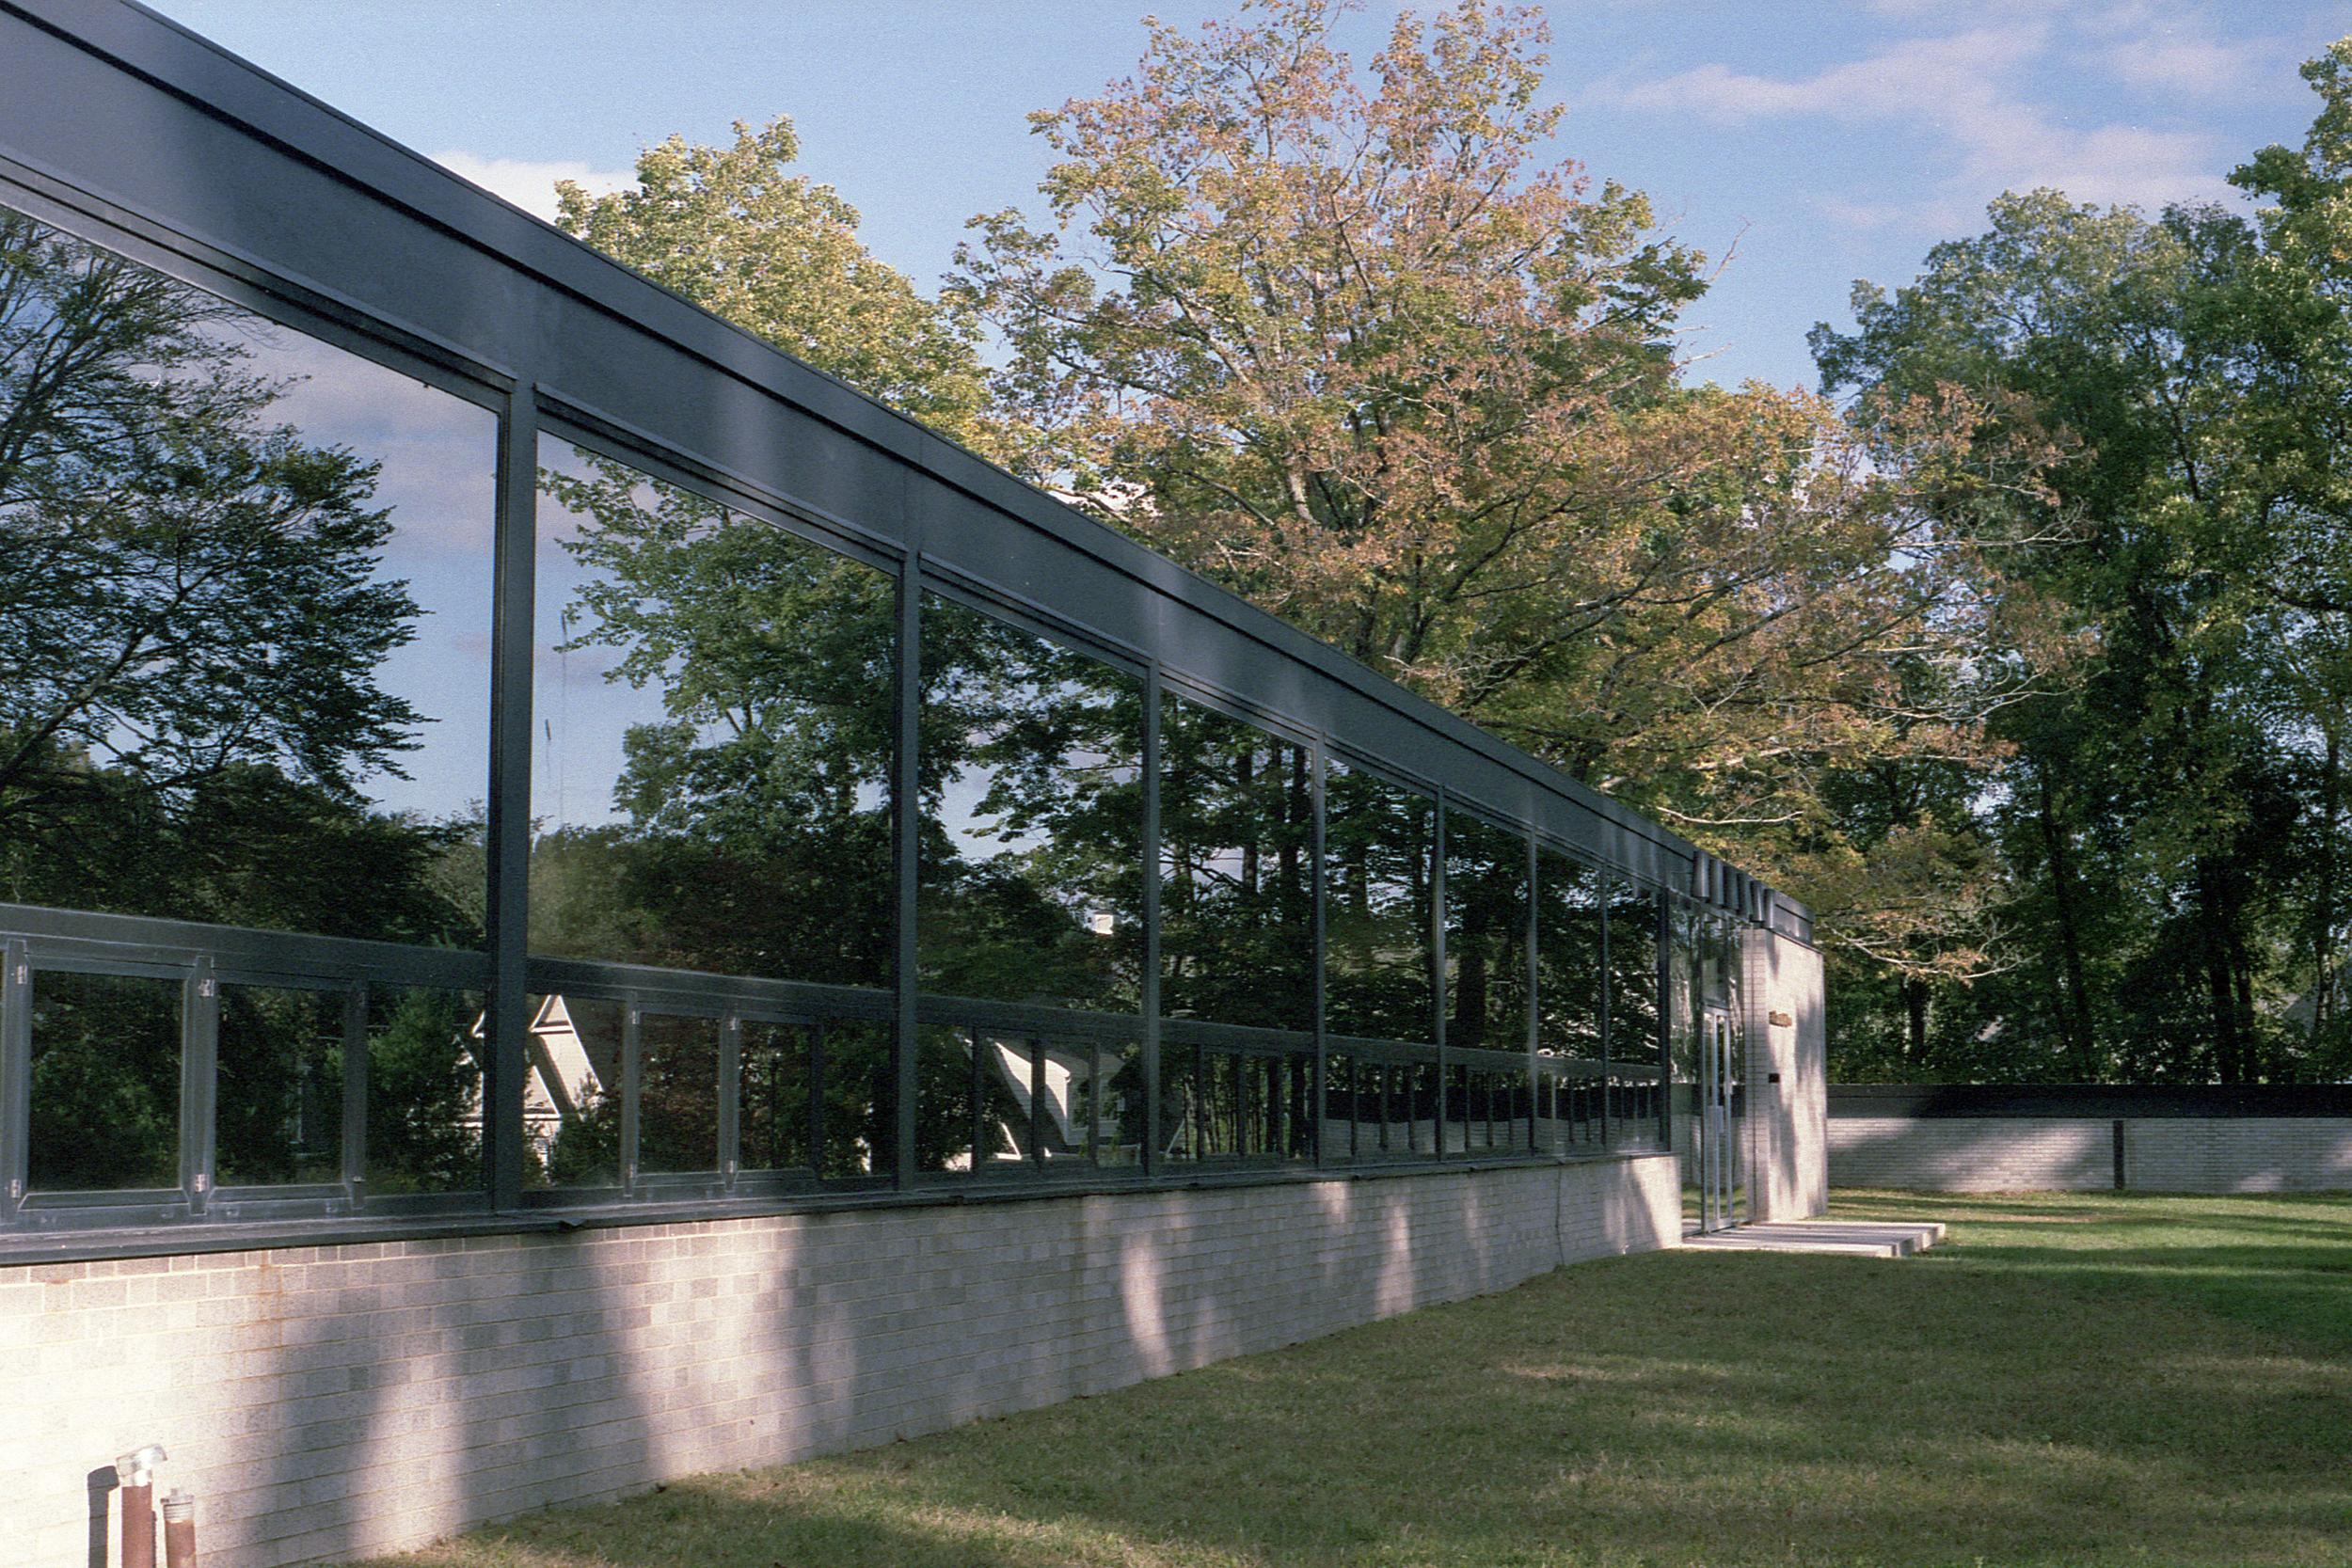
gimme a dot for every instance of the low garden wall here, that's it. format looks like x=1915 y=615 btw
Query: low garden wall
x=333 y=1401
x=1972 y=1138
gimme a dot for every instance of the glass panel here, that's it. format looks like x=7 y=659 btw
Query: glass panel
x=279 y=1113
x=246 y=631
x=1683 y=990
x=782 y=1063
x=1568 y=916
x=572 y=1097
x=1032 y=838
x=1486 y=953
x=1634 y=1043
x=424 y=1091
x=859 y=1074
x=1236 y=901
x=1568 y=959
x=105 y=1111
x=712 y=707
x=1378 y=850
x=1081 y=1115
x=678 y=1088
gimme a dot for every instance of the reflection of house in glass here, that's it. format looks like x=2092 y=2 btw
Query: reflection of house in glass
x=564 y=1076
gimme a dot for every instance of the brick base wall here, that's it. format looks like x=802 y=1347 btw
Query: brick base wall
x=335 y=1402
x=2254 y=1154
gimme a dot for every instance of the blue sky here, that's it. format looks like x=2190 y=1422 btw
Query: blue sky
x=1827 y=141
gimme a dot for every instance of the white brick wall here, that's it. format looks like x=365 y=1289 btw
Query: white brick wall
x=334 y=1401
x=1786 y=1121
x=2171 y=1154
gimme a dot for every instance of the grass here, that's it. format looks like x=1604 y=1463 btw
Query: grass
x=2077 y=1378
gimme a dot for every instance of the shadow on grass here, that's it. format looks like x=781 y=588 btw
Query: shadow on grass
x=2040 y=1393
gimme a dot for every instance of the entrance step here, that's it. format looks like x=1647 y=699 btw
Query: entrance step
x=1851 y=1238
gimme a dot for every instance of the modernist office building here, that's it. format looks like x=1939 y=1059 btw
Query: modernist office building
x=582 y=902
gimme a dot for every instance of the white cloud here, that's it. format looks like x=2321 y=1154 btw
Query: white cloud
x=1961 y=87
x=2171 y=49
x=531 y=183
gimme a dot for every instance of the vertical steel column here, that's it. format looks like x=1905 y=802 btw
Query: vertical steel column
x=1321 y=1092
x=1153 y=1136
x=978 y=1091
x=1605 y=898
x=730 y=1098
x=906 y=843
x=1665 y=1021
x=199 y=1068
x=356 y=1064
x=1437 y=988
x=632 y=1091
x=1037 y=1101
x=16 y=1074
x=1534 y=993
x=815 y=1110
x=508 y=826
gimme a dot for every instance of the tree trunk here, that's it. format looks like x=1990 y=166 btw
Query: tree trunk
x=2214 y=919
x=1914 y=1021
x=2324 y=915
x=2074 y=1013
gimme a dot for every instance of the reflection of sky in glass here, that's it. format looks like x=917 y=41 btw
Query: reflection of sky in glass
x=980 y=834
x=438 y=458
x=581 y=709
x=578 y=713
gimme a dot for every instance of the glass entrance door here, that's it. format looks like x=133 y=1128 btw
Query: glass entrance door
x=1723 y=1190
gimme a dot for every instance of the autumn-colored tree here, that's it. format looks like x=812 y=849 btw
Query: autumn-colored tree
x=1353 y=346
x=778 y=254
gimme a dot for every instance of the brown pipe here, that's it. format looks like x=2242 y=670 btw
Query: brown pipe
x=179 y=1531
x=138 y=1524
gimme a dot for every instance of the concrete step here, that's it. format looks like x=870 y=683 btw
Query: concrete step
x=1844 y=1238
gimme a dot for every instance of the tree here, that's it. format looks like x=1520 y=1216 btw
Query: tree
x=1354 y=350
x=191 y=622
x=778 y=255
x=2172 y=826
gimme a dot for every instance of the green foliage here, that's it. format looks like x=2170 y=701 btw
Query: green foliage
x=2171 y=828
x=779 y=255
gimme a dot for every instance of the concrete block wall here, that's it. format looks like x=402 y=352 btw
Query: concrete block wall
x=2175 y=1154
x=1786 y=1124
x=335 y=1402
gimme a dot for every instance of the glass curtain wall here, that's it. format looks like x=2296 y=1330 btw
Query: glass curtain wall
x=249 y=631
x=1572 y=910
x=1638 y=1079
x=1237 y=938
x=1488 y=1106
x=711 y=761
x=1030 y=894
x=1379 y=965
x=246 y=641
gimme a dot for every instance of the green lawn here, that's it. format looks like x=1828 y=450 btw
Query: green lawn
x=2077 y=1380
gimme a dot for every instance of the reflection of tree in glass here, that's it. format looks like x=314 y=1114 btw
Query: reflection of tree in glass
x=1632 y=974
x=1237 y=902
x=278 y=1112
x=190 y=622
x=677 y=1094
x=1034 y=890
x=1379 y=841
x=424 y=1086
x=756 y=831
x=1485 y=935
x=105 y=1102
x=1569 y=900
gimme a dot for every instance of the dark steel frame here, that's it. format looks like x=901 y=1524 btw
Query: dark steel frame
x=132 y=132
